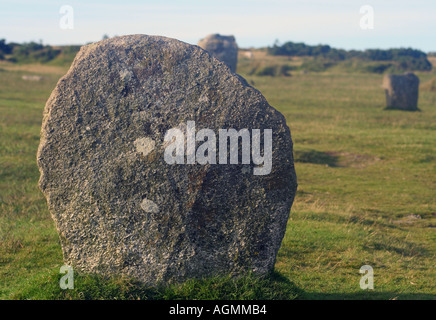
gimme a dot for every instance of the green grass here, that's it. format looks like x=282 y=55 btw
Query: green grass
x=363 y=173
x=88 y=286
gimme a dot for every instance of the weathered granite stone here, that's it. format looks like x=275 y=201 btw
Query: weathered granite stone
x=119 y=207
x=224 y=48
x=401 y=91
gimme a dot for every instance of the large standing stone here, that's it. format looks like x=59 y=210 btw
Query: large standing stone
x=119 y=207
x=223 y=48
x=401 y=91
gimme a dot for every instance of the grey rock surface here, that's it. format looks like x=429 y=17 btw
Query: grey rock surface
x=401 y=91
x=224 y=48
x=119 y=208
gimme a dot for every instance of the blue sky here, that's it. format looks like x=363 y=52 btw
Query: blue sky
x=254 y=23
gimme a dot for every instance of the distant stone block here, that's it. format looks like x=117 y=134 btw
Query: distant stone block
x=401 y=91
x=223 y=48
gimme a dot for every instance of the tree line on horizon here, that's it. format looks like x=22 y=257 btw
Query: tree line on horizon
x=404 y=59
x=34 y=52
x=324 y=56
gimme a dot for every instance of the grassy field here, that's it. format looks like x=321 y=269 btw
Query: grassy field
x=367 y=186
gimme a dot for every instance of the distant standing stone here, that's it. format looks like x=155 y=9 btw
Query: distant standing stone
x=401 y=91
x=223 y=48
x=119 y=206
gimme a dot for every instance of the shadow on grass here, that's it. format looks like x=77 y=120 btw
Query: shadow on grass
x=316 y=157
x=400 y=109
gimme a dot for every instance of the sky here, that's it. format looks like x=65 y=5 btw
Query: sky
x=254 y=23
